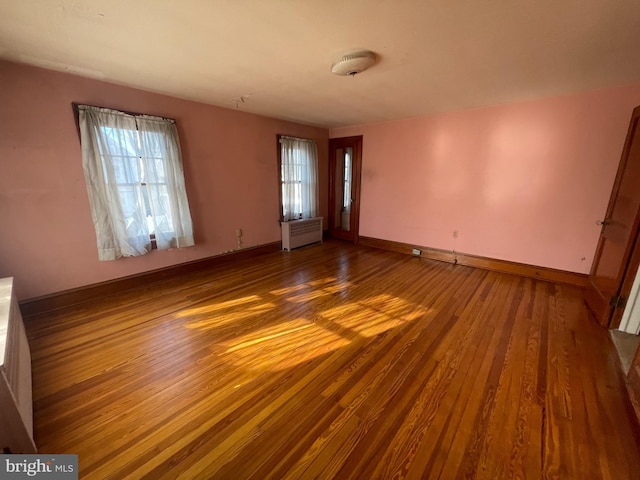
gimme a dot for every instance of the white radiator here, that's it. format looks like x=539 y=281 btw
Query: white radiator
x=16 y=410
x=296 y=233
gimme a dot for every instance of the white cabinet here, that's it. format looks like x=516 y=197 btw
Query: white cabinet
x=16 y=408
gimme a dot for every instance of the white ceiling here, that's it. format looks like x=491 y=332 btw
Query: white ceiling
x=433 y=55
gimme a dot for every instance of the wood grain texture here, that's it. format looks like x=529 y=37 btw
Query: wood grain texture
x=496 y=265
x=66 y=298
x=334 y=361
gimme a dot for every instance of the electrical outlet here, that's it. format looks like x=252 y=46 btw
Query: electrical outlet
x=455 y=234
x=416 y=251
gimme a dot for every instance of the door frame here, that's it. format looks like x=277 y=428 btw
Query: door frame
x=629 y=277
x=607 y=315
x=355 y=142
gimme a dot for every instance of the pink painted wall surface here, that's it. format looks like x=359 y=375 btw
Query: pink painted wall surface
x=48 y=241
x=522 y=182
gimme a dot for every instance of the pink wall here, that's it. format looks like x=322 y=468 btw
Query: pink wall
x=523 y=182
x=48 y=240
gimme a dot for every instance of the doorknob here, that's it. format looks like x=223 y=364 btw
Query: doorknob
x=604 y=222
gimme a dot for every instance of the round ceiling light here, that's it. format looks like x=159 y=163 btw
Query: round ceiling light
x=353 y=63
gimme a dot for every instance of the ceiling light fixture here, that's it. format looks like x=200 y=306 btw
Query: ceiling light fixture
x=353 y=63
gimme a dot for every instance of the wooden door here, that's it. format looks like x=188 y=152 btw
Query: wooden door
x=612 y=264
x=345 y=165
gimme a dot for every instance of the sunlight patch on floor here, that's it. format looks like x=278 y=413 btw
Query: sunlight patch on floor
x=285 y=290
x=266 y=338
x=322 y=281
x=215 y=307
x=375 y=315
x=317 y=293
x=210 y=322
x=284 y=345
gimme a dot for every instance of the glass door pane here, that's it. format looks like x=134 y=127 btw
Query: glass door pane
x=343 y=172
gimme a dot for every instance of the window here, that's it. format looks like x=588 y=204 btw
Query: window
x=346 y=194
x=298 y=178
x=135 y=182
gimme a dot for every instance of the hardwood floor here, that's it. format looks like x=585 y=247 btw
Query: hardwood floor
x=334 y=361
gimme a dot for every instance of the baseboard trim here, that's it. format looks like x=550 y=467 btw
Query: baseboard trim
x=502 y=266
x=632 y=382
x=47 y=303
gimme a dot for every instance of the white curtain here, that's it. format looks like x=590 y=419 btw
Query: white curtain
x=299 y=176
x=133 y=171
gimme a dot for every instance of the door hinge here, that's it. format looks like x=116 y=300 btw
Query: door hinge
x=617 y=301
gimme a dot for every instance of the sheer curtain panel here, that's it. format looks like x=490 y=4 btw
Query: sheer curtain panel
x=299 y=178
x=135 y=183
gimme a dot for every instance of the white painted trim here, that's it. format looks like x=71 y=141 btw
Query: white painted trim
x=630 y=322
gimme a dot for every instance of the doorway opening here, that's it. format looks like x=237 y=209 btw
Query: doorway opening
x=345 y=165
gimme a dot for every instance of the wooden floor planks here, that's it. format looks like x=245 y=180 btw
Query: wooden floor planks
x=334 y=361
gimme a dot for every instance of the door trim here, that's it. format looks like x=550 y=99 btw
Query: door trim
x=354 y=142
x=605 y=314
x=628 y=279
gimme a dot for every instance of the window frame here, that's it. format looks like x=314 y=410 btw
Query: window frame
x=143 y=184
x=280 y=179
x=280 y=205
x=76 y=117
